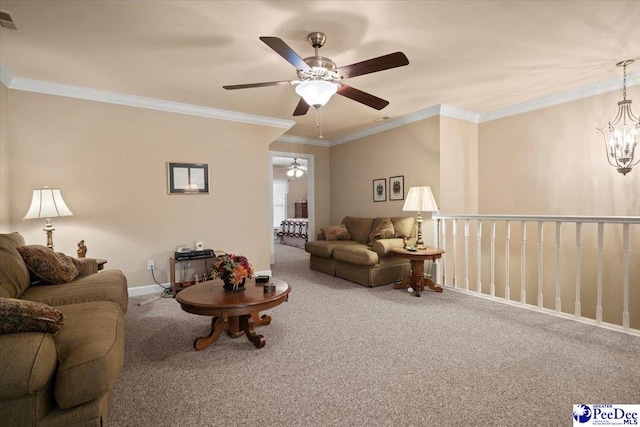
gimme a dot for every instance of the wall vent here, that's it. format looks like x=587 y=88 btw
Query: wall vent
x=7 y=21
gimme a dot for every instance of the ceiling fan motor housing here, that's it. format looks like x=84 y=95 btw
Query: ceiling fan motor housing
x=321 y=68
x=317 y=39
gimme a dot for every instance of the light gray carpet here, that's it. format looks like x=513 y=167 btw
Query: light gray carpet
x=339 y=354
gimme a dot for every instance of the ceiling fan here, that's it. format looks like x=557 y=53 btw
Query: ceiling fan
x=319 y=78
x=296 y=170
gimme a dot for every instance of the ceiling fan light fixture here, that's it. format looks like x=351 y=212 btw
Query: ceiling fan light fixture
x=316 y=93
x=294 y=173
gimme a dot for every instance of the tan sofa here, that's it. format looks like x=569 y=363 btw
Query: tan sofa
x=359 y=260
x=66 y=378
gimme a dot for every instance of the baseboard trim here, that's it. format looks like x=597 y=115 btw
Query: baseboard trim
x=136 y=291
x=146 y=289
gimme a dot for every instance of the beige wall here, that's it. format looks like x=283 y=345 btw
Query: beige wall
x=110 y=163
x=552 y=162
x=4 y=160
x=297 y=192
x=412 y=151
x=458 y=166
x=297 y=189
x=321 y=179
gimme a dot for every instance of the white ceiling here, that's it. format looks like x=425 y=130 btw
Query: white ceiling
x=285 y=162
x=475 y=55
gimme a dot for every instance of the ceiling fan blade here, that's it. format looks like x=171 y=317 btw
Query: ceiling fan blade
x=286 y=52
x=302 y=108
x=250 y=85
x=392 y=60
x=362 y=97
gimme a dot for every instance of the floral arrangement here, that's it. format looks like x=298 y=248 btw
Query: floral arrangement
x=232 y=269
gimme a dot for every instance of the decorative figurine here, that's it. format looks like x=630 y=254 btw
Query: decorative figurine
x=404 y=242
x=82 y=249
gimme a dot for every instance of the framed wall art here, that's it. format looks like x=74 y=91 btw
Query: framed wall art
x=396 y=188
x=380 y=190
x=188 y=178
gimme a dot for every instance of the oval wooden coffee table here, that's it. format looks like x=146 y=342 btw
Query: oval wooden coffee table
x=234 y=312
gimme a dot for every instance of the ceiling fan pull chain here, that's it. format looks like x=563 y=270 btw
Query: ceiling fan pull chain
x=319 y=122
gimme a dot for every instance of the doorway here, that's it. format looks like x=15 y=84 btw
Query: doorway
x=279 y=160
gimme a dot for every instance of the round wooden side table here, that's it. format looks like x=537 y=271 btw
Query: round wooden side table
x=417 y=281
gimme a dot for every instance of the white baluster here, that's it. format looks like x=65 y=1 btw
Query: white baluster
x=523 y=288
x=479 y=257
x=466 y=255
x=625 y=276
x=558 y=244
x=436 y=244
x=578 y=308
x=507 y=290
x=444 y=256
x=492 y=286
x=600 y=271
x=540 y=262
x=454 y=237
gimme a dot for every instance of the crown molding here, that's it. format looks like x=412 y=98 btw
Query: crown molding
x=59 y=89
x=560 y=98
x=388 y=124
x=459 y=113
x=5 y=76
x=303 y=140
x=433 y=111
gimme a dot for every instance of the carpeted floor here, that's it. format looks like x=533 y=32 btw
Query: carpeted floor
x=339 y=354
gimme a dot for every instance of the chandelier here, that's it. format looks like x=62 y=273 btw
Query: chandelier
x=622 y=137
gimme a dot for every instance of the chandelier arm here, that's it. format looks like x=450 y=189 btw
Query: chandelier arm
x=635 y=119
x=617 y=119
x=632 y=153
x=607 y=147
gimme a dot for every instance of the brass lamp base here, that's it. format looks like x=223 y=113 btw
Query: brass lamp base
x=48 y=228
x=419 y=243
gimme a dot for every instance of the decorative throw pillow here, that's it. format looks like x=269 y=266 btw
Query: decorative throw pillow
x=48 y=266
x=336 y=232
x=384 y=230
x=17 y=315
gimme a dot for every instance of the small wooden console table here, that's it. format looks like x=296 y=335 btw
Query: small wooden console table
x=417 y=281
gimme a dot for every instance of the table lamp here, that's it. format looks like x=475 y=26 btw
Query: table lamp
x=420 y=199
x=47 y=203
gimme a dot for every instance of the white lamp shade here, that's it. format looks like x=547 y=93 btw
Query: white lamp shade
x=316 y=92
x=420 y=199
x=47 y=203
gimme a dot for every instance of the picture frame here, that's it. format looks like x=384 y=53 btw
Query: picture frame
x=380 y=190
x=187 y=178
x=396 y=187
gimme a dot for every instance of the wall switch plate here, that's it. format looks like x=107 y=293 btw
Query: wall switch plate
x=151 y=265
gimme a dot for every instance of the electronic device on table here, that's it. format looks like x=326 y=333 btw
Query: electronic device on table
x=187 y=253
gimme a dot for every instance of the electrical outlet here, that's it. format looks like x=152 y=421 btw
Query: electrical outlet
x=151 y=265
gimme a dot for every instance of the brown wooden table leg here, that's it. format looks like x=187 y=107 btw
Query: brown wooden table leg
x=217 y=326
x=246 y=323
x=417 y=275
x=234 y=330
x=260 y=320
x=404 y=284
x=431 y=284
